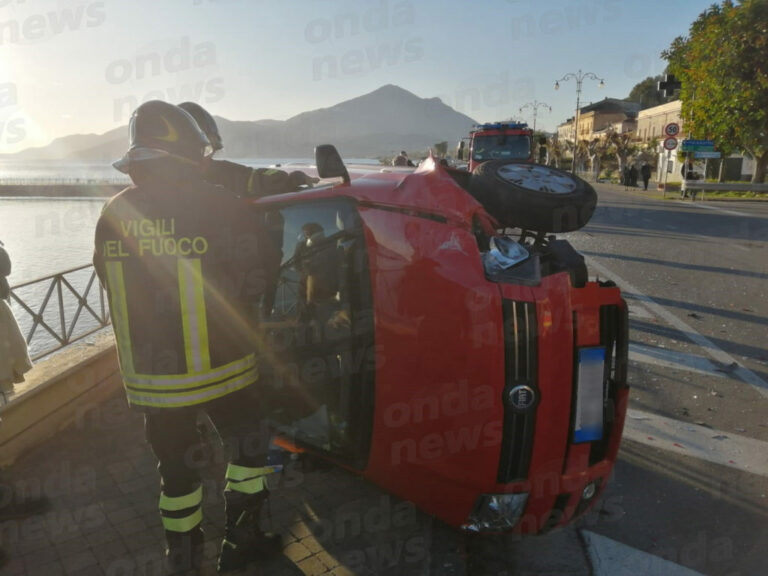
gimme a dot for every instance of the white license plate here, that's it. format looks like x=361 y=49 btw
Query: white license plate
x=588 y=424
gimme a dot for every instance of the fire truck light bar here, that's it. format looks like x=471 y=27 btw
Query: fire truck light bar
x=501 y=126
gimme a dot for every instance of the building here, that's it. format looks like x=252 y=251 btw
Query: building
x=650 y=127
x=565 y=130
x=651 y=121
x=597 y=119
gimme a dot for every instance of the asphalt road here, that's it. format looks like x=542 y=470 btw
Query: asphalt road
x=694 y=276
x=689 y=496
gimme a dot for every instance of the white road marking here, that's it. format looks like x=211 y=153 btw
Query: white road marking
x=713 y=351
x=672 y=359
x=740 y=247
x=639 y=312
x=611 y=558
x=716 y=446
x=708 y=207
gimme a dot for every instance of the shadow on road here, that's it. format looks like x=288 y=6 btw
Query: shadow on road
x=734 y=349
x=679 y=265
x=703 y=516
x=687 y=220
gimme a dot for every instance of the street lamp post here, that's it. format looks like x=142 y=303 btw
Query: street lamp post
x=579 y=77
x=535 y=105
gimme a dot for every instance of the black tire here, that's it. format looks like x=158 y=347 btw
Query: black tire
x=532 y=196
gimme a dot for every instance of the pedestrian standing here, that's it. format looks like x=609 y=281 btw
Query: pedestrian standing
x=633 y=176
x=645 y=172
x=688 y=174
x=185 y=265
x=14 y=363
x=14 y=356
x=402 y=159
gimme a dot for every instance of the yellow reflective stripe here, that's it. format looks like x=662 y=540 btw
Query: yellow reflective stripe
x=190 y=398
x=175 y=503
x=160 y=391
x=174 y=381
x=117 y=297
x=183 y=524
x=251 y=486
x=193 y=315
x=235 y=472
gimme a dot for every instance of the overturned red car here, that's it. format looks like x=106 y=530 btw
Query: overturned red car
x=477 y=374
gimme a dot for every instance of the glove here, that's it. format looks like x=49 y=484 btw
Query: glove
x=298 y=179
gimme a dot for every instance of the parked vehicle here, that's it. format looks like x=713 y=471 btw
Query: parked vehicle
x=480 y=376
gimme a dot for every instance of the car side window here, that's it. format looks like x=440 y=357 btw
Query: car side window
x=319 y=325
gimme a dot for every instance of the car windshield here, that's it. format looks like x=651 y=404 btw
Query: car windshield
x=501 y=146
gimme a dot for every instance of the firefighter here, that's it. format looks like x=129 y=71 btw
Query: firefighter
x=242 y=180
x=184 y=266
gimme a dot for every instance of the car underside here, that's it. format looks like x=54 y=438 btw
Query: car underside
x=430 y=334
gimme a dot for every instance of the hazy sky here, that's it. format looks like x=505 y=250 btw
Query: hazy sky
x=81 y=66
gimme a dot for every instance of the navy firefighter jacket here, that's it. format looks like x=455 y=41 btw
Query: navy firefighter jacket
x=185 y=267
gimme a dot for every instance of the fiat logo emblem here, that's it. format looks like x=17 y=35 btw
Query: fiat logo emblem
x=522 y=397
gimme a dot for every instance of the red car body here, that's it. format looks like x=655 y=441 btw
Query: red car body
x=447 y=350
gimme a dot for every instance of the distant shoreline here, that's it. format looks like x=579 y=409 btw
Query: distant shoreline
x=60 y=190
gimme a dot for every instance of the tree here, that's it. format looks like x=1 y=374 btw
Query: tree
x=554 y=151
x=646 y=94
x=648 y=151
x=622 y=146
x=580 y=152
x=723 y=67
x=596 y=148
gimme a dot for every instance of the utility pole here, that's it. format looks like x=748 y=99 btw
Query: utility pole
x=535 y=105
x=579 y=77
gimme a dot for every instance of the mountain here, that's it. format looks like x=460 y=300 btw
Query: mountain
x=380 y=123
x=69 y=147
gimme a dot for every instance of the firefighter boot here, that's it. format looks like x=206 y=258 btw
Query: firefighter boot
x=184 y=551
x=244 y=541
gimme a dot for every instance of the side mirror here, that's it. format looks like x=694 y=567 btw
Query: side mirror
x=329 y=163
x=460 y=150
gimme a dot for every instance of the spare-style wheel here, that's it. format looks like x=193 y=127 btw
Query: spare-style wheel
x=532 y=196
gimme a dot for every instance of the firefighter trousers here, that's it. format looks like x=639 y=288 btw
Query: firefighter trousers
x=175 y=441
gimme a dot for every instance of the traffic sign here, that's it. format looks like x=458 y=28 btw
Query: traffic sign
x=672 y=129
x=698 y=146
x=670 y=143
x=706 y=154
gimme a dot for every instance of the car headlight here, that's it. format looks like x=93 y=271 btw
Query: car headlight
x=496 y=512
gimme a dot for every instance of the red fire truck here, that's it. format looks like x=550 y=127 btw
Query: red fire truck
x=497 y=141
x=480 y=376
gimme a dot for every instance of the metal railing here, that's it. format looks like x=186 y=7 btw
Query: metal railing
x=60 y=309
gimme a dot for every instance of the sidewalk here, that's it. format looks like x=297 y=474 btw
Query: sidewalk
x=654 y=192
x=101 y=479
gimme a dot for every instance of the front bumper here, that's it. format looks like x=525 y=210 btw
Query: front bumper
x=558 y=451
